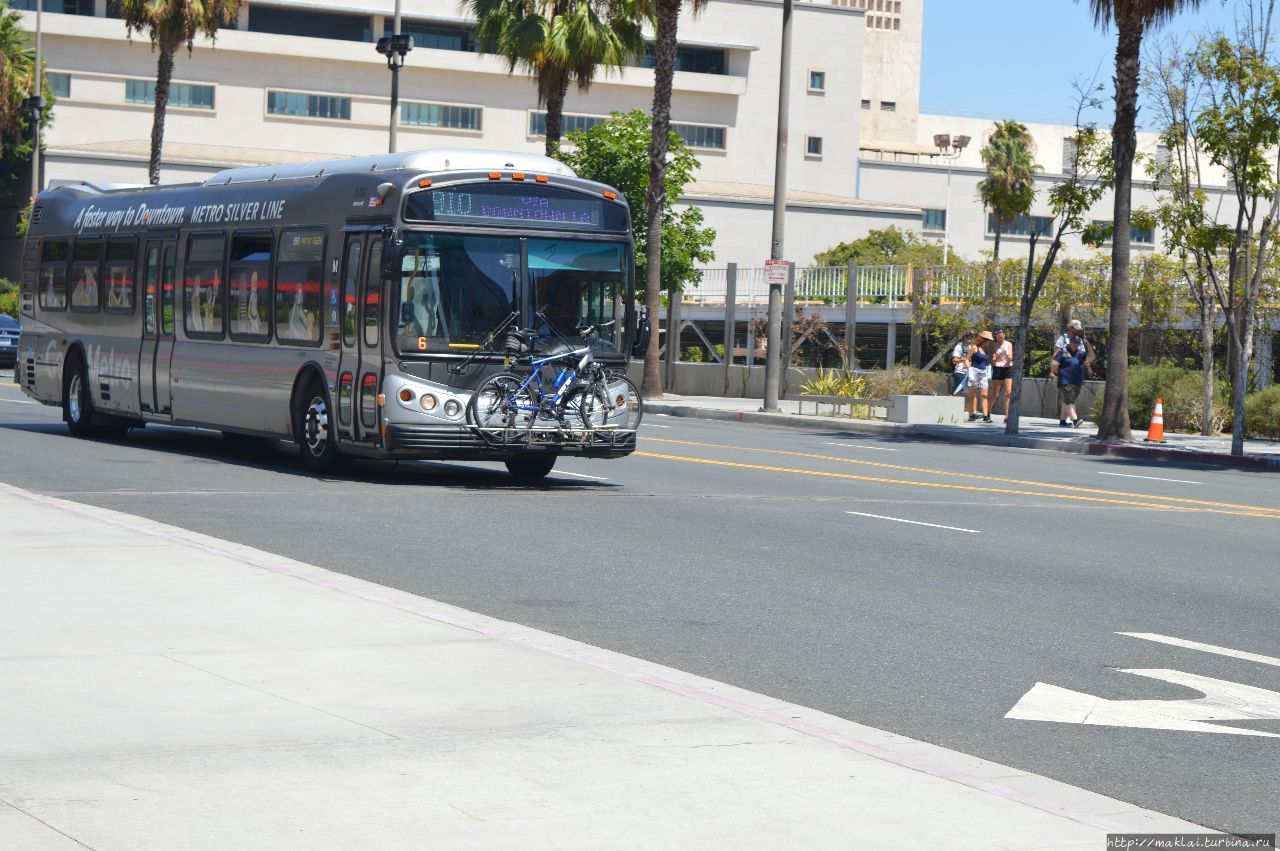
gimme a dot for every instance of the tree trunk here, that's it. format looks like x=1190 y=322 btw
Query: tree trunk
x=1240 y=383
x=164 y=74
x=664 y=65
x=1115 y=402
x=992 y=281
x=555 y=112
x=1011 y=421
x=1207 y=364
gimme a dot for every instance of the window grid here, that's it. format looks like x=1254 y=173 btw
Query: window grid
x=817 y=81
x=1021 y=226
x=440 y=115
x=1137 y=235
x=309 y=105
x=813 y=146
x=699 y=136
x=934 y=220
x=569 y=122
x=59 y=83
x=190 y=95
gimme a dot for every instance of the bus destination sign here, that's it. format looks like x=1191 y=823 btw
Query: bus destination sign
x=508 y=204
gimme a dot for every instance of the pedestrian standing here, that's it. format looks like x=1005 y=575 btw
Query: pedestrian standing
x=1001 y=371
x=960 y=361
x=1075 y=329
x=980 y=376
x=1071 y=360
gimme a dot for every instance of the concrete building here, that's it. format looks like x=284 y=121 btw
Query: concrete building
x=294 y=81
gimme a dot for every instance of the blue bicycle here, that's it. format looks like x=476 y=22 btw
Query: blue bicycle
x=559 y=397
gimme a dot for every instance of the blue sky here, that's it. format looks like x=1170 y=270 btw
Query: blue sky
x=1016 y=58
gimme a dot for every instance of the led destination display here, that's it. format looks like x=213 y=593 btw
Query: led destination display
x=507 y=204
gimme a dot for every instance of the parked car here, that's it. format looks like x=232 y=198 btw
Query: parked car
x=9 y=329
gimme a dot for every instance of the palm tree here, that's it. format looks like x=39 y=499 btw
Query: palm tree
x=1009 y=187
x=667 y=15
x=171 y=24
x=558 y=42
x=1133 y=18
x=16 y=63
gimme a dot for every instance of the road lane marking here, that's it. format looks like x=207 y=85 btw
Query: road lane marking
x=912 y=522
x=580 y=475
x=19 y=401
x=947 y=486
x=1252 y=510
x=1207 y=648
x=655 y=425
x=1152 y=478
x=862 y=446
x=1222 y=701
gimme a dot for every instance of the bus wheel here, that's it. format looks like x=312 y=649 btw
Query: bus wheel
x=77 y=404
x=530 y=470
x=311 y=430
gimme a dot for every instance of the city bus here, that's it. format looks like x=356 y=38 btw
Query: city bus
x=349 y=306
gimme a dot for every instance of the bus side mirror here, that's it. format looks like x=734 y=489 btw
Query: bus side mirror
x=392 y=247
x=644 y=330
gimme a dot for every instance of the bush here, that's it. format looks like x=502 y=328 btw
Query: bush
x=902 y=381
x=9 y=303
x=1182 y=392
x=1262 y=413
x=691 y=354
x=835 y=382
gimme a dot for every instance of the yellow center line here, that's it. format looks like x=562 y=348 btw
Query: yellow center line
x=1255 y=510
x=946 y=486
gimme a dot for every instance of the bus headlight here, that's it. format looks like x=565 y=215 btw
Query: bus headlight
x=452 y=409
x=428 y=402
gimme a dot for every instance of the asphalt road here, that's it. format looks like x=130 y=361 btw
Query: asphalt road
x=917 y=587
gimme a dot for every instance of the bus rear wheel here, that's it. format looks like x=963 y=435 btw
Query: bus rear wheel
x=531 y=470
x=311 y=430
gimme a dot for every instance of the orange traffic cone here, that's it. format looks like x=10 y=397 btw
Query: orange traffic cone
x=1155 y=434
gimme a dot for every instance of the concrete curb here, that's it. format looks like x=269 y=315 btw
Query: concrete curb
x=1077 y=446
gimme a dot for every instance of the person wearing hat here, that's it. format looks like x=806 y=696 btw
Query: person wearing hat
x=1074 y=336
x=1001 y=371
x=960 y=361
x=980 y=376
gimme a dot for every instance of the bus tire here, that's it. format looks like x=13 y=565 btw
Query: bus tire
x=311 y=421
x=77 y=401
x=531 y=469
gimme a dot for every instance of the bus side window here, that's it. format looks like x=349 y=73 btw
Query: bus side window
x=203 y=287
x=299 y=276
x=122 y=263
x=250 y=275
x=373 y=296
x=86 y=259
x=53 y=275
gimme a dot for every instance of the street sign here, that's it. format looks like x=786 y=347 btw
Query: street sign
x=775 y=271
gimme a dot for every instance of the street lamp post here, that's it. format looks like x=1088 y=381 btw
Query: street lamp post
x=774 y=349
x=35 y=108
x=949 y=147
x=394 y=47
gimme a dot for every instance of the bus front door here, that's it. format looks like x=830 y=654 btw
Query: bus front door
x=157 y=329
x=360 y=372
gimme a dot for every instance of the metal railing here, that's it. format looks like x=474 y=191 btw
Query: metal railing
x=829 y=284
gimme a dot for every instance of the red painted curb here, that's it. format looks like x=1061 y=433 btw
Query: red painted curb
x=1192 y=455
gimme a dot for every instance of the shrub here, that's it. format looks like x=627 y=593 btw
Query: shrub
x=9 y=303
x=1181 y=391
x=902 y=381
x=1262 y=413
x=691 y=354
x=835 y=382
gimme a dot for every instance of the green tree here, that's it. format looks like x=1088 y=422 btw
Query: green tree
x=559 y=42
x=170 y=24
x=616 y=153
x=667 y=15
x=1133 y=18
x=887 y=247
x=17 y=69
x=1009 y=187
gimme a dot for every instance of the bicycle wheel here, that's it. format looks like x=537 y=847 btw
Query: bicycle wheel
x=612 y=403
x=499 y=410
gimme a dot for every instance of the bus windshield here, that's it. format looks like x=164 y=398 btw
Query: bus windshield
x=456 y=288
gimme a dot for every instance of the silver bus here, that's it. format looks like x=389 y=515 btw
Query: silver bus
x=348 y=306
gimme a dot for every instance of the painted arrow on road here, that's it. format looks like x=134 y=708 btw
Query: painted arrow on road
x=1222 y=701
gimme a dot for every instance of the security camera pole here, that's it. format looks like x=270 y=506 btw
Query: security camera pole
x=35 y=107
x=394 y=47
x=773 y=355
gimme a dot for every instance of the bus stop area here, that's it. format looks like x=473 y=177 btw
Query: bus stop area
x=165 y=689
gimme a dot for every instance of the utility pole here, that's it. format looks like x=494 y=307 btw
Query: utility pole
x=35 y=104
x=774 y=345
x=394 y=47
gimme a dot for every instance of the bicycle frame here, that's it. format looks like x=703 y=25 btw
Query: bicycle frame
x=535 y=378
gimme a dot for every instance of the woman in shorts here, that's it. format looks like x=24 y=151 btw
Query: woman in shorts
x=1001 y=371
x=980 y=377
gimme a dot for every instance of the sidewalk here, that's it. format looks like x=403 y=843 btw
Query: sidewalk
x=164 y=689
x=1034 y=432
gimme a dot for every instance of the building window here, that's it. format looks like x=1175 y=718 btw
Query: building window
x=1137 y=235
x=697 y=60
x=59 y=84
x=1021 y=226
x=1068 y=156
x=817 y=81
x=934 y=220
x=700 y=136
x=439 y=37
x=440 y=115
x=813 y=146
x=568 y=123
x=866 y=104
x=187 y=95
x=307 y=24
x=888 y=106
x=309 y=106
x=65 y=7
x=1162 y=156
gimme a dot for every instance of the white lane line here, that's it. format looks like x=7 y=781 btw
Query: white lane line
x=580 y=475
x=913 y=522
x=862 y=446
x=655 y=425
x=19 y=401
x=1207 y=648
x=1152 y=478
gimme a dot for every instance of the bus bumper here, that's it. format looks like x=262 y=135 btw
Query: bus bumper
x=460 y=442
